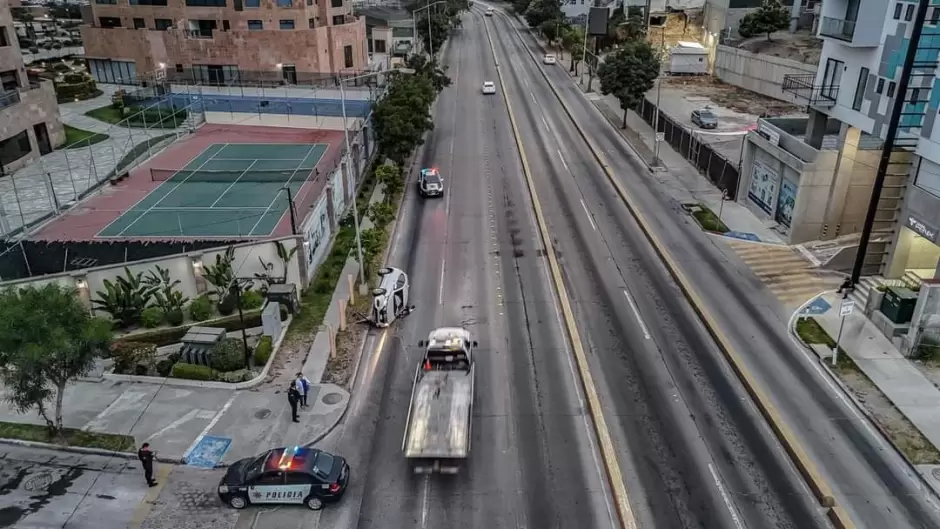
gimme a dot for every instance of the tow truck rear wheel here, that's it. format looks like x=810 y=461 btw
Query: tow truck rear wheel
x=314 y=504
x=237 y=502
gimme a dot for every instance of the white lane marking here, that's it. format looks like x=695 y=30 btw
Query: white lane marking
x=636 y=312
x=533 y=97
x=190 y=415
x=588 y=213
x=424 y=501
x=525 y=80
x=124 y=400
x=440 y=294
x=545 y=122
x=211 y=424
x=725 y=498
x=563 y=162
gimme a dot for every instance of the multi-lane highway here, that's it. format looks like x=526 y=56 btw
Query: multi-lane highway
x=692 y=449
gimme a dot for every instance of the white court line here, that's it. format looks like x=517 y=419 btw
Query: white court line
x=440 y=296
x=211 y=424
x=204 y=208
x=291 y=179
x=725 y=498
x=636 y=312
x=588 y=213
x=230 y=186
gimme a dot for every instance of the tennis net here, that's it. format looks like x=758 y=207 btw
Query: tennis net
x=277 y=177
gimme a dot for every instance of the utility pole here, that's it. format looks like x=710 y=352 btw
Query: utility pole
x=896 y=108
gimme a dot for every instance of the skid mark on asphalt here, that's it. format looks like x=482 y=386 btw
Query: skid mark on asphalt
x=785 y=272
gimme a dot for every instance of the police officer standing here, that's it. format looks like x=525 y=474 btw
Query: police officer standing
x=293 y=398
x=145 y=455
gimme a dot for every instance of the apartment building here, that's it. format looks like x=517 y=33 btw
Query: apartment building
x=30 y=125
x=865 y=42
x=223 y=41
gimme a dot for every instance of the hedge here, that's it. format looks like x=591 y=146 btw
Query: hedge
x=263 y=351
x=172 y=335
x=192 y=372
x=153 y=117
x=70 y=90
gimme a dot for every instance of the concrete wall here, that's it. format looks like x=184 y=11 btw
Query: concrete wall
x=181 y=267
x=758 y=73
x=296 y=121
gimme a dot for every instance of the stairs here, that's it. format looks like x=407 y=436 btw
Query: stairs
x=864 y=288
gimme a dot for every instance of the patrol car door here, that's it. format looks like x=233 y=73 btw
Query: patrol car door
x=299 y=484
x=267 y=488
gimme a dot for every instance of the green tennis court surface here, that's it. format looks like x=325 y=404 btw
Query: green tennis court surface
x=225 y=200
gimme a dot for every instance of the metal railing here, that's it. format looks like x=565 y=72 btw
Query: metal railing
x=8 y=99
x=837 y=28
x=803 y=86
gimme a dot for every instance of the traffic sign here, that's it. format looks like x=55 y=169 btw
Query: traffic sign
x=660 y=136
x=847 y=307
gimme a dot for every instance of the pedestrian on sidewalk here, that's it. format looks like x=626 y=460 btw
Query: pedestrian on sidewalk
x=303 y=387
x=293 y=398
x=146 y=459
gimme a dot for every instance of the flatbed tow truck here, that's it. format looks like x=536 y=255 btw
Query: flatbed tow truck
x=437 y=431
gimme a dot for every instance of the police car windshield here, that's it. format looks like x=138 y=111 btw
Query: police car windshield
x=323 y=466
x=254 y=467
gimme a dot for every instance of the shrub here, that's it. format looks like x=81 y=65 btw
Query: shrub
x=151 y=317
x=228 y=355
x=252 y=299
x=175 y=317
x=127 y=355
x=192 y=372
x=164 y=367
x=201 y=308
x=157 y=117
x=227 y=304
x=234 y=377
x=172 y=335
x=61 y=67
x=75 y=86
x=263 y=351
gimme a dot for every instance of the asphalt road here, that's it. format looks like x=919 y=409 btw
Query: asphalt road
x=473 y=261
x=870 y=479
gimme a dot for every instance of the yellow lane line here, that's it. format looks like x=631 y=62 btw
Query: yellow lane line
x=146 y=504
x=611 y=464
x=785 y=435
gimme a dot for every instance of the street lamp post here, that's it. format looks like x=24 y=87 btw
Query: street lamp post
x=414 y=25
x=659 y=93
x=342 y=94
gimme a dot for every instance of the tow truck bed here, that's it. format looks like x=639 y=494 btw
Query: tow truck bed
x=439 y=419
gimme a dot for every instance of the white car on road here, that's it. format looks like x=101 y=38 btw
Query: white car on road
x=490 y=11
x=549 y=59
x=489 y=87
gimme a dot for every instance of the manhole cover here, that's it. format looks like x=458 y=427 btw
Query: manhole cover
x=40 y=481
x=935 y=473
x=262 y=414
x=332 y=398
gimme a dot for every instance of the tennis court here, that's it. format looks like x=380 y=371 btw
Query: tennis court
x=228 y=190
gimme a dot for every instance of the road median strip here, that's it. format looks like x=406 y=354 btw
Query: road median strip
x=611 y=462
x=784 y=434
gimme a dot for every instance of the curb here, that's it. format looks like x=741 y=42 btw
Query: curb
x=804 y=465
x=339 y=418
x=861 y=408
x=84 y=450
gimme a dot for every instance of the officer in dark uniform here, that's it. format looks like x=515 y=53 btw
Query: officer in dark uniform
x=146 y=459
x=293 y=398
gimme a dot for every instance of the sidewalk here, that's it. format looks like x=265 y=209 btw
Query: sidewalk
x=25 y=196
x=906 y=387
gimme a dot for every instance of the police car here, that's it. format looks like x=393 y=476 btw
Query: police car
x=430 y=183
x=296 y=475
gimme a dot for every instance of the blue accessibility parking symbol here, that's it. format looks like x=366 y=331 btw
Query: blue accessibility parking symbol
x=743 y=235
x=817 y=307
x=208 y=452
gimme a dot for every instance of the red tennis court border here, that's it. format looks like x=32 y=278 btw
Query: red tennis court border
x=87 y=218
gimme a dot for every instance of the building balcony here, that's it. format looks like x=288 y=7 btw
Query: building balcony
x=837 y=28
x=803 y=86
x=8 y=99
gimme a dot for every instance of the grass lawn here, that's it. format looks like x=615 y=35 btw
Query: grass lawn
x=708 y=220
x=812 y=333
x=107 y=113
x=78 y=138
x=71 y=437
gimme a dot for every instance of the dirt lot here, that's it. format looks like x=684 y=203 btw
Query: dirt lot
x=348 y=344
x=800 y=46
x=730 y=97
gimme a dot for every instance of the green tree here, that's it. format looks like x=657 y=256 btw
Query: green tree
x=770 y=16
x=572 y=39
x=48 y=339
x=403 y=116
x=541 y=10
x=553 y=29
x=390 y=176
x=628 y=74
x=520 y=6
x=433 y=38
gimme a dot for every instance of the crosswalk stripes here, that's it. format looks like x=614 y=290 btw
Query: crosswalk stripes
x=784 y=271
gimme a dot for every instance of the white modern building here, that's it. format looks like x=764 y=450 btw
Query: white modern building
x=865 y=42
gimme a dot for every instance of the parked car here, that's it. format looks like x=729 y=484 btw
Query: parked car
x=704 y=119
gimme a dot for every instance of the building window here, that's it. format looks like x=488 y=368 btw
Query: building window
x=147 y=2
x=891 y=87
x=287 y=24
x=106 y=2
x=897 y=10
x=179 y=68
x=252 y=3
x=226 y=25
x=255 y=24
x=205 y=3
x=909 y=13
x=339 y=20
x=109 y=22
x=347 y=56
x=336 y=3
x=832 y=78
x=4 y=40
x=860 y=89
x=284 y=3
x=162 y=24
x=139 y=23
x=880 y=89
x=312 y=23
x=113 y=72
x=9 y=81
x=935 y=16
x=915 y=96
x=14 y=148
x=310 y=2
x=379 y=46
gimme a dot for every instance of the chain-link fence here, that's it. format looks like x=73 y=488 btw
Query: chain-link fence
x=50 y=183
